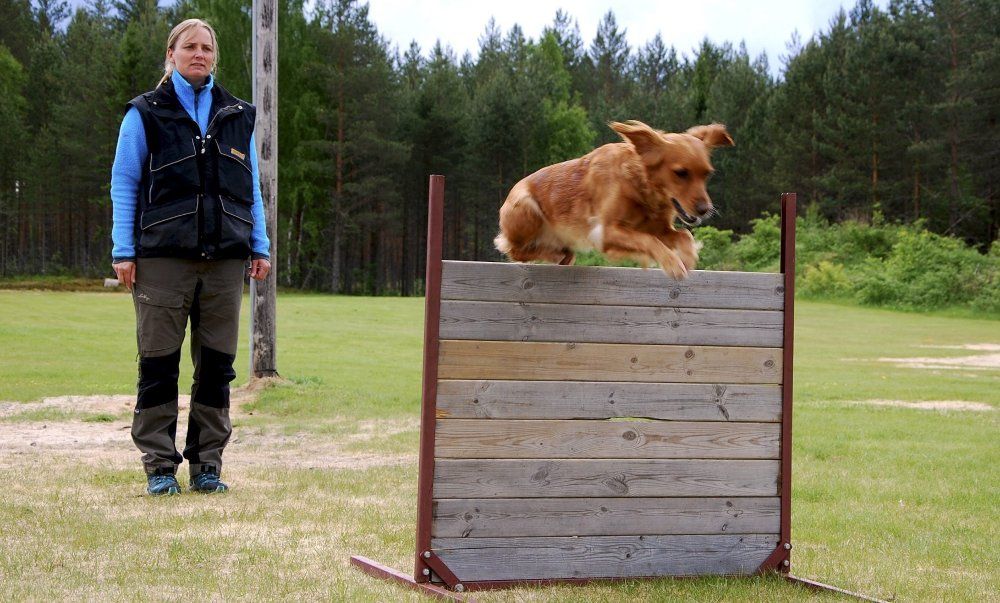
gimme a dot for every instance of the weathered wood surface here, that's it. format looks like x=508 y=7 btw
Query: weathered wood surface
x=508 y=321
x=607 y=362
x=492 y=281
x=505 y=439
x=263 y=303
x=558 y=478
x=473 y=559
x=510 y=517
x=469 y=399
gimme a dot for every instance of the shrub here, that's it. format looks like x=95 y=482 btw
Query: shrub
x=717 y=249
x=760 y=249
x=825 y=279
x=928 y=271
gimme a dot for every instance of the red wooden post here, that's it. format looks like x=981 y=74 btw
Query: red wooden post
x=432 y=318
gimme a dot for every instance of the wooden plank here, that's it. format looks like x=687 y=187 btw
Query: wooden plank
x=468 y=399
x=607 y=362
x=509 y=321
x=492 y=281
x=473 y=559
x=505 y=439
x=510 y=517
x=548 y=478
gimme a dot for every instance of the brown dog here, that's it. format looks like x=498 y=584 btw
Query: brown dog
x=621 y=199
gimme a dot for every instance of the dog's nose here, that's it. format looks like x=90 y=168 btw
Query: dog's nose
x=703 y=206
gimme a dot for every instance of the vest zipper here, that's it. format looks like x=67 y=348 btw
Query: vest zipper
x=204 y=139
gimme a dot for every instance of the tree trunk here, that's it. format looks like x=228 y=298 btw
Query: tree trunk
x=953 y=208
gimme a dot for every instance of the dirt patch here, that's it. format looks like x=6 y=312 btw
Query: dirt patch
x=111 y=442
x=95 y=404
x=977 y=347
x=975 y=362
x=958 y=405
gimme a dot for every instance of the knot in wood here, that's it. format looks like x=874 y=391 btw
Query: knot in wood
x=527 y=284
x=779 y=290
x=617 y=485
x=675 y=293
x=689 y=354
x=630 y=435
x=769 y=363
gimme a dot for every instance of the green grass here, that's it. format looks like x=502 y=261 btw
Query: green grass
x=894 y=502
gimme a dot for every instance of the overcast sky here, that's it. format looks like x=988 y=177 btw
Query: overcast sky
x=765 y=25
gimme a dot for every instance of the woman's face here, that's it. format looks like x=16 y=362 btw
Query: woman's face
x=193 y=55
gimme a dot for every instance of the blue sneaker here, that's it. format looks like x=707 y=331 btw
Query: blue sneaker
x=162 y=482
x=208 y=482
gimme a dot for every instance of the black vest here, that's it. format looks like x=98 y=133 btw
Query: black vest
x=196 y=193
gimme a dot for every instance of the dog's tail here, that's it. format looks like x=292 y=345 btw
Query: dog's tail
x=502 y=244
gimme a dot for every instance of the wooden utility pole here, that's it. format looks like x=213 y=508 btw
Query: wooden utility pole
x=263 y=352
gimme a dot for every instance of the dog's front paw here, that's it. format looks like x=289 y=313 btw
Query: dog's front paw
x=688 y=248
x=674 y=266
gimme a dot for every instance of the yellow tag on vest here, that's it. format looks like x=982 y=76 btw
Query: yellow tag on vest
x=236 y=153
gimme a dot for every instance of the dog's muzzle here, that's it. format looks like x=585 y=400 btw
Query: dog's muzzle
x=684 y=216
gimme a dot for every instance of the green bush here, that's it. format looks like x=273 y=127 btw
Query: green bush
x=928 y=271
x=760 y=249
x=825 y=279
x=717 y=249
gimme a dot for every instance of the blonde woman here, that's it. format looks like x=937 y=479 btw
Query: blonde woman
x=188 y=215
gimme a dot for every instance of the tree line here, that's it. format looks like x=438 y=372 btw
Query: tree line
x=886 y=111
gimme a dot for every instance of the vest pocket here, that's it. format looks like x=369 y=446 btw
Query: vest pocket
x=173 y=172
x=170 y=229
x=235 y=174
x=237 y=227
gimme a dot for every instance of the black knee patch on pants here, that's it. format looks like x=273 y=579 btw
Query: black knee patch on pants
x=158 y=380
x=214 y=375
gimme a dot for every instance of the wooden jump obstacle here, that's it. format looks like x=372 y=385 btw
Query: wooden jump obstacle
x=585 y=423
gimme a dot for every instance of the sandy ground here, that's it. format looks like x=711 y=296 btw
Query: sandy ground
x=958 y=405
x=111 y=442
x=980 y=362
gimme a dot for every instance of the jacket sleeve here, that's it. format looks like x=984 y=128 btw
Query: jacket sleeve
x=260 y=245
x=126 y=174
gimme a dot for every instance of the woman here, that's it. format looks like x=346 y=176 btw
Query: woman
x=188 y=213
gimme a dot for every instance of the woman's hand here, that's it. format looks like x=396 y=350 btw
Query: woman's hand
x=259 y=269
x=126 y=273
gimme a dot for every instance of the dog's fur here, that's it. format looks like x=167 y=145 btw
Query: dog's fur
x=621 y=199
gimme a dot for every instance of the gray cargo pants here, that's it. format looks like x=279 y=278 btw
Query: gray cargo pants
x=167 y=293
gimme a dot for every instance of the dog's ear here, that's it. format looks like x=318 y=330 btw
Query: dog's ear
x=642 y=137
x=713 y=135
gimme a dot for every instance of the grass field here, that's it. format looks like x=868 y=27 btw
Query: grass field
x=890 y=500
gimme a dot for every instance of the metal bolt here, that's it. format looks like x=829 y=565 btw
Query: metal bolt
x=788 y=546
x=460 y=588
x=427 y=554
x=786 y=563
x=426 y=572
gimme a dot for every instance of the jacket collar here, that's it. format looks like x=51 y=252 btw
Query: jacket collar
x=187 y=94
x=164 y=99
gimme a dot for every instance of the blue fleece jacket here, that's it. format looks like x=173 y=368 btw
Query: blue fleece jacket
x=132 y=153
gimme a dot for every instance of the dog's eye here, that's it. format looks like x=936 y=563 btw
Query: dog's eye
x=681 y=173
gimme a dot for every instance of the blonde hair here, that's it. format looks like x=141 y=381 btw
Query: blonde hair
x=176 y=33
